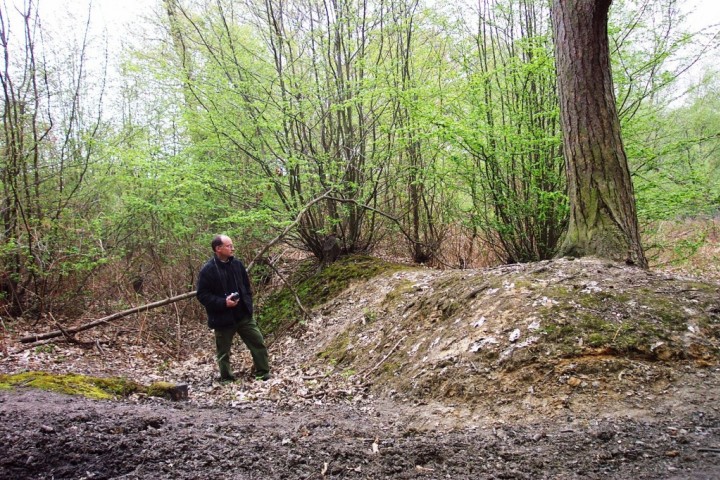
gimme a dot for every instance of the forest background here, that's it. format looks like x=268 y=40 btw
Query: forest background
x=408 y=129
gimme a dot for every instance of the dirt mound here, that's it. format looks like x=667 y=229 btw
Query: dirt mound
x=524 y=341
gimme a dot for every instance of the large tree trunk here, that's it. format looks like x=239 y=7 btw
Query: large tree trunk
x=603 y=219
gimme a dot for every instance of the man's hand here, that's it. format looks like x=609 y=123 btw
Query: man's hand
x=230 y=303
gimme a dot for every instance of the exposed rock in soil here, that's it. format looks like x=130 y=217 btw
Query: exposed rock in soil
x=525 y=341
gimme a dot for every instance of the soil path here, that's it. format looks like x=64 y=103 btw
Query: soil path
x=45 y=435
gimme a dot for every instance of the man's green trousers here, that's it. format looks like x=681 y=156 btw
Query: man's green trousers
x=250 y=334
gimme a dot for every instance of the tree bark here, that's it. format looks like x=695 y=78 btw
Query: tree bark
x=603 y=219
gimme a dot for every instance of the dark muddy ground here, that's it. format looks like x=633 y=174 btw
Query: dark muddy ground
x=46 y=435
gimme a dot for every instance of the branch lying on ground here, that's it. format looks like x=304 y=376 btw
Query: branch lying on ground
x=109 y=318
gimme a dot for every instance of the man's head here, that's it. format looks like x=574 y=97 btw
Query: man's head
x=222 y=246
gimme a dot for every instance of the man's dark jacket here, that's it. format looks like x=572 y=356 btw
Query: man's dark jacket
x=216 y=281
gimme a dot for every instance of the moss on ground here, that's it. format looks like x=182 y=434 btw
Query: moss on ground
x=397 y=294
x=91 y=387
x=337 y=351
x=315 y=287
x=629 y=322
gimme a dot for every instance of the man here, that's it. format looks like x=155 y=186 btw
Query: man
x=223 y=288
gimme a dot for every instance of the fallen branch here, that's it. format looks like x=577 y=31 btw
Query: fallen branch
x=392 y=350
x=109 y=318
x=63 y=331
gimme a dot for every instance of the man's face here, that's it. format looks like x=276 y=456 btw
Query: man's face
x=226 y=250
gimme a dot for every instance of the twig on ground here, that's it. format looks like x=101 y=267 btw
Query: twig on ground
x=109 y=318
x=369 y=371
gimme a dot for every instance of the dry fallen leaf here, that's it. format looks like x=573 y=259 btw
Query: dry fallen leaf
x=424 y=469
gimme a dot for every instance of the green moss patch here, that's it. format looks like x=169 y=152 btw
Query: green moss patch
x=337 y=351
x=86 y=386
x=316 y=287
x=633 y=322
x=398 y=293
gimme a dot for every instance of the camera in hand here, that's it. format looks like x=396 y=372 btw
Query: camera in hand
x=235 y=296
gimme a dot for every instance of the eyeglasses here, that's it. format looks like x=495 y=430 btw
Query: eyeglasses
x=229 y=246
